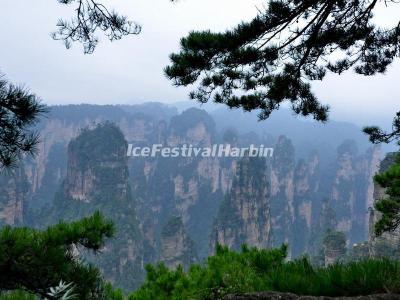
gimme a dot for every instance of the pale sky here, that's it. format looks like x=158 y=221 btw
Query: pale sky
x=131 y=70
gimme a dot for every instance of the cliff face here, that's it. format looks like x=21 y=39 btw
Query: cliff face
x=282 y=191
x=97 y=165
x=333 y=196
x=13 y=194
x=307 y=191
x=275 y=201
x=177 y=248
x=191 y=187
x=97 y=179
x=47 y=170
x=244 y=215
x=304 y=200
x=352 y=190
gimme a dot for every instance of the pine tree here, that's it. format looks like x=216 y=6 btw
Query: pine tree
x=19 y=110
x=92 y=16
x=377 y=135
x=389 y=206
x=272 y=59
x=35 y=261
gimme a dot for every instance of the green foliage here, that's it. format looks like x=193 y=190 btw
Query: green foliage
x=17 y=295
x=189 y=119
x=173 y=226
x=112 y=294
x=37 y=260
x=389 y=206
x=19 y=110
x=255 y=270
x=260 y=64
x=268 y=57
x=335 y=240
x=91 y=150
x=226 y=272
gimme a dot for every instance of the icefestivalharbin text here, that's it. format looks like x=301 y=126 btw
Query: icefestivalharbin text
x=185 y=150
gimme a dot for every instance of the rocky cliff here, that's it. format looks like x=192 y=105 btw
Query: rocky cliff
x=177 y=248
x=97 y=179
x=307 y=203
x=244 y=215
x=275 y=201
x=282 y=191
x=352 y=189
x=13 y=193
x=191 y=187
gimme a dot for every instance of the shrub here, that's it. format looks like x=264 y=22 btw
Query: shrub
x=35 y=260
x=254 y=270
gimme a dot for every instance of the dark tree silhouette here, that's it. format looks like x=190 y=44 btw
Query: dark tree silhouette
x=377 y=135
x=19 y=110
x=92 y=16
x=271 y=60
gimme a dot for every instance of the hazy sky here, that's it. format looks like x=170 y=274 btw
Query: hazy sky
x=131 y=70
